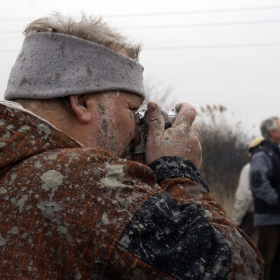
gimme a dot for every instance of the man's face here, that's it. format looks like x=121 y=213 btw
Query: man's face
x=275 y=134
x=113 y=127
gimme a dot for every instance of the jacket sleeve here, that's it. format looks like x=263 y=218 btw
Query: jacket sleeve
x=243 y=196
x=261 y=167
x=185 y=232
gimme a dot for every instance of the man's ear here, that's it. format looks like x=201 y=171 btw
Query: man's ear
x=79 y=106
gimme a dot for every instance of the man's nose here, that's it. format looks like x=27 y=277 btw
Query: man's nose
x=136 y=138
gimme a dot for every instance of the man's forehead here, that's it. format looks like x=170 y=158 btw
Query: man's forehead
x=135 y=98
x=121 y=96
x=133 y=102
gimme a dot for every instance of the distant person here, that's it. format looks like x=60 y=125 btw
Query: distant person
x=265 y=185
x=71 y=205
x=243 y=209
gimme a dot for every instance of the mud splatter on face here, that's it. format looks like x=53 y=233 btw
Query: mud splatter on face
x=157 y=126
x=101 y=109
x=113 y=142
x=104 y=126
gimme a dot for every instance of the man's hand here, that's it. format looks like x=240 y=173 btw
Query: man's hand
x=181 y=140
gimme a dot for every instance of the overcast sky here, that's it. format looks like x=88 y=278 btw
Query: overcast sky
x=212 y=52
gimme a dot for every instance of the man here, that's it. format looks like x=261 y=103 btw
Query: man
x=265 y=185
x=243 y=210
x=71 y=206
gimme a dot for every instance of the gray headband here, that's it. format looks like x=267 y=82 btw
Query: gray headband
x=55 y=65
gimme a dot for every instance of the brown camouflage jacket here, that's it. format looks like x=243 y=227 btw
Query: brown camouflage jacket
x=69 y=212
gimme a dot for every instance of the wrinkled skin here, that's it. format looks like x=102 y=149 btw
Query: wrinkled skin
x=181 y=140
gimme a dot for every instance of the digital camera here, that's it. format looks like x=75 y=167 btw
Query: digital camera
x=142 y=124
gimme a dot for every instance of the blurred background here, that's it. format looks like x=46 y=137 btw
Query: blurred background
x=221 y=56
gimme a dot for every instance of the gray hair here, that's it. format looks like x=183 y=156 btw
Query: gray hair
x=87 y=28
x=268 y=125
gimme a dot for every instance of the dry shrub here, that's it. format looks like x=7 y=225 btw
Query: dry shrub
x=224 y=154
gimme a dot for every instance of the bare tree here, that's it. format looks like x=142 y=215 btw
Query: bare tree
x=225 y=151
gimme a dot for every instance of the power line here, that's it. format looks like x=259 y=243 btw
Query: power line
x=186 y=25
x=197 y=12
x=212 y=46
x=202 y=24
x=173 y=13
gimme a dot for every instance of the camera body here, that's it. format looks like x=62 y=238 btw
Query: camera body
x=142 y=124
